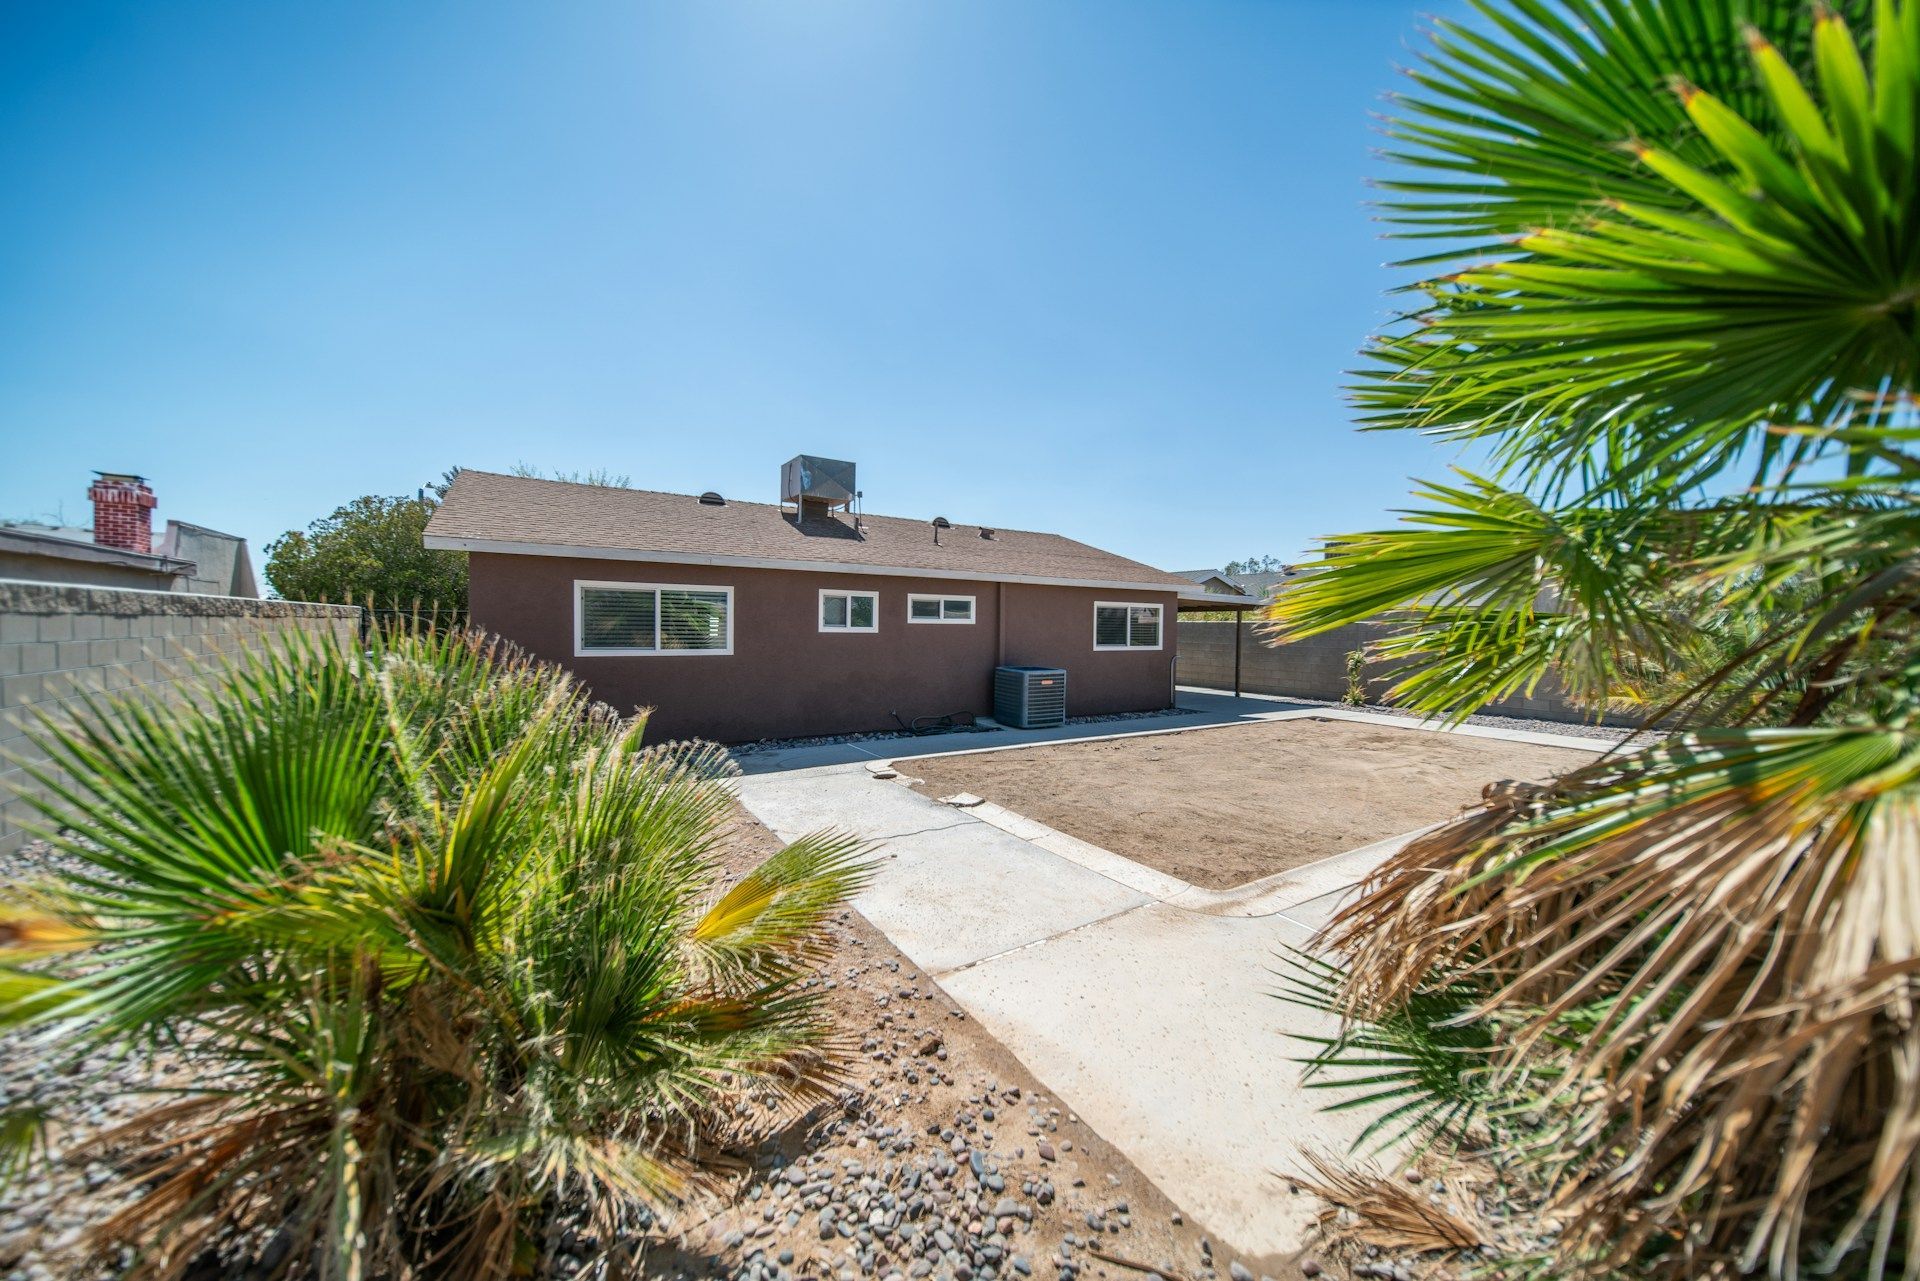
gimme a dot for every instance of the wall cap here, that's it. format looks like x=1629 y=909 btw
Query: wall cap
x=23 y=596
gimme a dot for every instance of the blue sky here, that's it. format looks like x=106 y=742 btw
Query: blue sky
x=1092 y=267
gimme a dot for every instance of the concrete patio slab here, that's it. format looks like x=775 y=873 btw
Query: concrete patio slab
x=931 y=895
x=1159 y=1028
x=1145 y=1004
x=845 y=797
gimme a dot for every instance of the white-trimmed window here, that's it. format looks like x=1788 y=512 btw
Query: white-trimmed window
x=939 y=609
x=1118 y=625
x=849 y=611
x=613 y=619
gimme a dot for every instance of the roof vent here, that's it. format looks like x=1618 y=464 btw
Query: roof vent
x=985 y=532
x=711 y=499
x=940 y=523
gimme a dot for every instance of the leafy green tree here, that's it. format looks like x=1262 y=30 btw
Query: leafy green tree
x=1255 y=565
x=1675 y=296
x=371 y=550
x=453 y=953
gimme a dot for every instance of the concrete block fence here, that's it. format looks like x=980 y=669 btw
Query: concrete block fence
x=59 y=641
x=1317 y=668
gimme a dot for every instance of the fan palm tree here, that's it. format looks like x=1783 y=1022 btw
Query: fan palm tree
x=447 y=948
x=1678 y=300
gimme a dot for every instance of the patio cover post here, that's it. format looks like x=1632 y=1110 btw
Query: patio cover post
x=1239 y=625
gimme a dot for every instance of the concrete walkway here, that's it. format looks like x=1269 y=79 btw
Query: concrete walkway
x=1144 y=1003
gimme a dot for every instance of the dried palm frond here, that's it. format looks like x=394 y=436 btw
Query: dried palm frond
x=1388 y=1213
x=1739 y=917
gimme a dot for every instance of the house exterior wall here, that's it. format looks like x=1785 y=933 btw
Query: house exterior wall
x=786 y=678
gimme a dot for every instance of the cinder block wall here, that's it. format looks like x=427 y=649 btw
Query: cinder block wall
x=1317 y=668
x=59 y=641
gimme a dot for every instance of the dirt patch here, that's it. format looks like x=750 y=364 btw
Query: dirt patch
x=1221 y=807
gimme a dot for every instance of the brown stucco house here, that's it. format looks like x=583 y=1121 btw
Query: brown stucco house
x=738 y=621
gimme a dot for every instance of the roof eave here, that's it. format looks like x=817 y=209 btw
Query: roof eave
x=1219 y=600
x=505 y=547
x=25 y=543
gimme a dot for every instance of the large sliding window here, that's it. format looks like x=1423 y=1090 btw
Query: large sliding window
x=1124 y=626
x=651 y=618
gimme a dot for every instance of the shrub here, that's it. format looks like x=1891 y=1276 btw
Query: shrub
x=444 y=942
x=1355 y=694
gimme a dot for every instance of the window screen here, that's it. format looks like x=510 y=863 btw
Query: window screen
x=691 y=619
x=849 y=611
x=653 y=619
x=616 y=618
x=1126 y=626
x=940 y=609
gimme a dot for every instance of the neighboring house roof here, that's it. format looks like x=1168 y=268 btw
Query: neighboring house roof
x=1213 y=580
x=222 y=565
x=1264 y=584
x=28 y=541
x=488 y=512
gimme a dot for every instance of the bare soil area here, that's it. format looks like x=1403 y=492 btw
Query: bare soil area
x=1221 y=807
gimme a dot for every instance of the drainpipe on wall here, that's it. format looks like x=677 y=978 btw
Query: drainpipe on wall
x=1000 y=624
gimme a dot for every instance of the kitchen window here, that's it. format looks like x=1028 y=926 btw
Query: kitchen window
x=939 y=609
x=615 y=619
x=849 y=611
x=1126 y=626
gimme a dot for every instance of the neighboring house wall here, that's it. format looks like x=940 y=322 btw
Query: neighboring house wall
x=221 y=564
x=786 y=678
x=1317 y=668
x=57 y=642
x=60 y=569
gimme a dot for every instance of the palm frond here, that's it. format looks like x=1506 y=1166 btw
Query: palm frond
x=1739 y=911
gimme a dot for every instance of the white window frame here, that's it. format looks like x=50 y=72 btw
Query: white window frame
x=1159 y=631
x=580 y=649
x=973 y=609
x=820 y=609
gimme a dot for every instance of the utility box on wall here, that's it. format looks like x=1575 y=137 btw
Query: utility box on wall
x=1030 y=697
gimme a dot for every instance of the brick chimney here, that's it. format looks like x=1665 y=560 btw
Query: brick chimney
x=122 y=512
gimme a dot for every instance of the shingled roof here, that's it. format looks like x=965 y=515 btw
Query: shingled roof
x=488 y=512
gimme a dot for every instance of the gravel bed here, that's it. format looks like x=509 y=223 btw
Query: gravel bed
x=1130 y=716
x=835 y=740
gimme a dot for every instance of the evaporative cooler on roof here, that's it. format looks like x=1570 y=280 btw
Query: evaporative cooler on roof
x=817 y=485
x=1030 y=697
